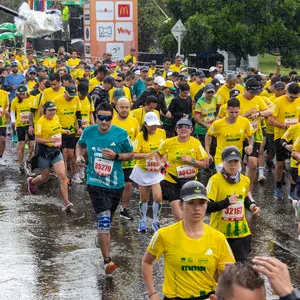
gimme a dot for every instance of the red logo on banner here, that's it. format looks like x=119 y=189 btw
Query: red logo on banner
x=123 y=10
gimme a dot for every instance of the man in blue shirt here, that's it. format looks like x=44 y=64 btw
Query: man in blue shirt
x=107 y=146
x=13 y=80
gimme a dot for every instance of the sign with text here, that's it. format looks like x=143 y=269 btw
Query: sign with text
x=110 y=26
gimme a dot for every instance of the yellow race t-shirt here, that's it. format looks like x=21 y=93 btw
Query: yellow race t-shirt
x=139 y=114
x=285 y=112
x=87 y=107
x=66 y=111
x=50 y=62
x=230 y=134
x=93 y=83
x=223 y=93
x=174 y=68
x=292 y=133
x=195 y=88
x=174 y=150
x=126 y=92
x=142 y=146
x=190 y=264
x=269 y=127
x=49 y=94
x=48 y=129
x=131 y=125
x=72 y=63
x=4 y=104
x=296 y=147
x=231 y=221
x=258 y=104
x=22 y=110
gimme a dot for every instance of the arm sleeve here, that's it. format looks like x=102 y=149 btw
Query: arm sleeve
x=13 y=116
x=213 y=206
x=141 y=100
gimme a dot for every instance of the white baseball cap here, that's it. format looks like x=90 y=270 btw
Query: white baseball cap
x=151 y=119
x=220 y=77
x=160 y=81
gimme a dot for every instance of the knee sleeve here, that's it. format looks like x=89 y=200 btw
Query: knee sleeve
x=104 y=222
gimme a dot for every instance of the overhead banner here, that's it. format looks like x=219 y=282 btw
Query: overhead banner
x=110 y=27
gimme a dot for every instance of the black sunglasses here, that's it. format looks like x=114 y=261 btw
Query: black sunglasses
x=185 y=126
x=104 y=118
x=118 y=80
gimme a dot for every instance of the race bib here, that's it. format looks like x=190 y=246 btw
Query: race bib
x=84 y=122
x=103 y=167
x=290 y=121
x=24 y=116
x=234 y=212
x=57 y=140
x=186 y=171
x=152 y=165
x=254 y=124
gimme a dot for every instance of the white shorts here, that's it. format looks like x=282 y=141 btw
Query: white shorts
x=144 y=178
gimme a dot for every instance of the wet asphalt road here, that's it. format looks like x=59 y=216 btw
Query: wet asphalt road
x=45 y=254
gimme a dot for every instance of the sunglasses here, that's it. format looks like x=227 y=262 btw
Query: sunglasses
x=183 y=126
x=210 y=92
x=32 y=73
x=104 y=118
x=118 y=80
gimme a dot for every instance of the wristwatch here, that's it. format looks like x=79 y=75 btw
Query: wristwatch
x=117 y=156
x=294 y=295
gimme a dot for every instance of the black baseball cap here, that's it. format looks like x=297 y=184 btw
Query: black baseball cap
x=209 y=87
x=279 y=85
x=22 y=89
x=193 y=190
x=253 y=86
x=231 y=153
x=49 y=105
x=71 y=90
x=234 y=92
x=109 y=79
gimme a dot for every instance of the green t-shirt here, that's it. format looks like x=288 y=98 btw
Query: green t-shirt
x=208 y=111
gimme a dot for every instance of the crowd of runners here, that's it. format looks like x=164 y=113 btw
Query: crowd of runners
x=112 y=125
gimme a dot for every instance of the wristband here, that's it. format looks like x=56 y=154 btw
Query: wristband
x=193 y=161
x=294 y=295
x=149 y=296
x=117 y=156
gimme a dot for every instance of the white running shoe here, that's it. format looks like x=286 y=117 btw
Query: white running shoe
x=261 y=178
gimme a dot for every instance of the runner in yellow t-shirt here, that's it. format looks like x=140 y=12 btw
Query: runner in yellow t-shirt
x=146 y=173
x=20 y=112
x=177 y=64
x=131 y=125
x=286 y=111
x=73 y=62
x=48 y=137
x=4 y=114
x=228 y=191
x=253 y=108
x=193 y=251
x=223 y=93
x=230 y=130
x=185 y=155
x=197 y=84
x=69 y=112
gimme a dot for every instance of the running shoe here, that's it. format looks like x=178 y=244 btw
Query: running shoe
x=2 y=162
x=15 y=138
x=270 y=165
x=293 y=196
x=28 y=169
x=109 y=268
x=76 y=179
x=296 y=205
x=155 y=226
x=261 y=178
x=31 y=187
x=142 y=226
x=278 y=194
x=68 y=206
x=125 y=214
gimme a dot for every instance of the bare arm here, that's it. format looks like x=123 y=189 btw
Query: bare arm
x=198 y=121
x=147 y=271
x=273 y=121
x=207 y=143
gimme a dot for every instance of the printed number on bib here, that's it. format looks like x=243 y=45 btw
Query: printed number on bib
x=24 y=116
x=290 y=121
x=152 y=165
x=186 y=171
x=254 y=124
x=103 y=167
x=57 y=140
x=234 y=212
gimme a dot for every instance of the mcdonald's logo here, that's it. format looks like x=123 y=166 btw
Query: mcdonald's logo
x=123 y=10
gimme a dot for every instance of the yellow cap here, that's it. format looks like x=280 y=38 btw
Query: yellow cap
x=169 y=84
